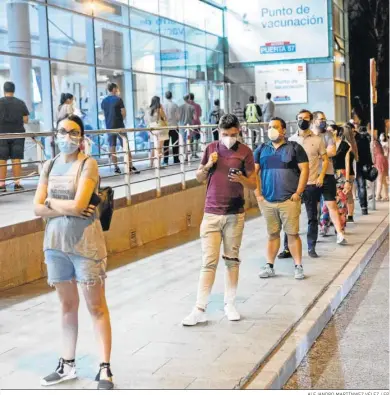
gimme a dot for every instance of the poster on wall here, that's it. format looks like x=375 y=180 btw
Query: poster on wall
x=263 y=30
x=286 y=82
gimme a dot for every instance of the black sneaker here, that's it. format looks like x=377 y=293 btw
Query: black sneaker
x=18 y=187
x=117 y=170
x=313 y=254
x=3 y=189
x=106 y=382
x=134 y=170
x=364 y=211
x=285 y=254
x=66 y=370
x=350 y=218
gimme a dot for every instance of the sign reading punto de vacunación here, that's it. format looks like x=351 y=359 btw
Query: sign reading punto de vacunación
x=264 y=30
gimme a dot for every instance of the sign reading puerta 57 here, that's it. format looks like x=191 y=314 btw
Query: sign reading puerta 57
x=267 y=30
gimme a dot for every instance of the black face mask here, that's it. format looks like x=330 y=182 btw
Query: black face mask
x=303 y=124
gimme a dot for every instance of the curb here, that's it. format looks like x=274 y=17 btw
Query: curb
x=279 y=367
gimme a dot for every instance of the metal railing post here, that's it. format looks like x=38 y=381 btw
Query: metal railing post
x=157 y=164
x=250 y=136
x=40 y=154
x=261 y=135
x=126 y=148
x=202 y=140
x=182 y=159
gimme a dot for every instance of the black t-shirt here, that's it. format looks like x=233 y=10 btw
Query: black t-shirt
x=339 y=158
x=112 y=105
x=12 y=111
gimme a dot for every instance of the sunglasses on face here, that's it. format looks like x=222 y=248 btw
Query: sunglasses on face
x=73 y=134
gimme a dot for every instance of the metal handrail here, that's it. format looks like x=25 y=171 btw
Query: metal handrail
x=253 y=132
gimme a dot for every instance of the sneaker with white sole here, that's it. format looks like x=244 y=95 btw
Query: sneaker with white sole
x=267 y=271
x=231 y=312
x=299 y=275
x=197 y=316
x=66 y=370
x=341 y=240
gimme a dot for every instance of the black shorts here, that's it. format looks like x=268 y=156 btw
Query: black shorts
x=329 y=189
x=113 y=139
x=12 y=149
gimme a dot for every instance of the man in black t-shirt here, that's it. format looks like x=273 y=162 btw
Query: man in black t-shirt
x=114 y=114
x=13 y=115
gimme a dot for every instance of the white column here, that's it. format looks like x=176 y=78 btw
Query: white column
x=19 y=42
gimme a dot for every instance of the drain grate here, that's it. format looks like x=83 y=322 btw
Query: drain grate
x=133 y=239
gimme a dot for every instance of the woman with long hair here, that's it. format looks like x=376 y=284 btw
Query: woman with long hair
x=382 y=165
x=74 y=247
x=157 y=118
x=66 y=106
x=341 y=163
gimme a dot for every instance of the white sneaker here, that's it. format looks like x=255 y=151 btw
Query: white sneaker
x=197 y=316
x=64 y=371
x=231 y=312
x=341 y=240
x=267 y=272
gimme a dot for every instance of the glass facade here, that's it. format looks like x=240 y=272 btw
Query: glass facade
x=76 y=46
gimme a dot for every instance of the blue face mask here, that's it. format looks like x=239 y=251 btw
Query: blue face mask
x=67 y=146
x=323 y=125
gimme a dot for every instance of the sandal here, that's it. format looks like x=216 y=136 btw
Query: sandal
x=105 y=384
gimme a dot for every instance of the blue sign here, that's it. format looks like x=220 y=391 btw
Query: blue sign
x=177 y=55
x=272 y=49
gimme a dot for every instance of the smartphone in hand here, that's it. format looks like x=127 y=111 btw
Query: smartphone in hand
x=95 y=200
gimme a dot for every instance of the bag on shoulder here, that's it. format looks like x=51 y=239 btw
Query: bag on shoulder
x=105 y=208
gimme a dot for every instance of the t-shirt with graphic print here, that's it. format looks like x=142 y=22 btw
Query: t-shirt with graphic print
x=72 y=235
x=223 y=196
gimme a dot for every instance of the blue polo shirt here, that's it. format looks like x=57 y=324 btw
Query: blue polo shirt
x=279 y=169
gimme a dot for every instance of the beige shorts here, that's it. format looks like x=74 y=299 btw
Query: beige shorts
x=285 y=214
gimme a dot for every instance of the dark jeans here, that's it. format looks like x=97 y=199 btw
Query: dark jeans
x=311 y=199
x=174 y=137
x=361 y=187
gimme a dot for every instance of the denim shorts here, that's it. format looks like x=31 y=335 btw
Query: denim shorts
x=63 y=267
x=12 y=149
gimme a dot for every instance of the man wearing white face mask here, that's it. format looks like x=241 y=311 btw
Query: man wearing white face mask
x=228 y=167
x=284 y=171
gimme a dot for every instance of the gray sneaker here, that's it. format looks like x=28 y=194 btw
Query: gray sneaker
x=267 y=271
x=299 y=275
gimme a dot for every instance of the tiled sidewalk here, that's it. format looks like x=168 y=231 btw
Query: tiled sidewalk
x=149 y=298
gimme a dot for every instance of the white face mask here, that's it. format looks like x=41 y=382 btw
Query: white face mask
x=273 y=134
x=228 y=141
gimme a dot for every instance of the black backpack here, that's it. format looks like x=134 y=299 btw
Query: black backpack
x=105 y=208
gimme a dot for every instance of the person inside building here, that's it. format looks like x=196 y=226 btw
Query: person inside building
x=13 y=115
x=173 y=115
x=66 y=106
x=252 y=114
x=115 y=114
x=238 y=111
x=268 y=108
x=228 y=167
x=215 y=116
x=284 y=172
x=195 y=132
x=187 y=116
x=315 y=151
x=74 y=247
x=329 y=189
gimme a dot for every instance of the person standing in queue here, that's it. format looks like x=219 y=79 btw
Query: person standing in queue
x=329 y=189
x=74 y=247
x=228 y=168
x=315 y=150
x=284 y=171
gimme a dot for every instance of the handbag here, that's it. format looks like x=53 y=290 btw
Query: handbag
x=105 y=208
x=161 y=120
x=370 y=173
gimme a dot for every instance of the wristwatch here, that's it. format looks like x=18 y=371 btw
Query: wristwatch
x=47 y=203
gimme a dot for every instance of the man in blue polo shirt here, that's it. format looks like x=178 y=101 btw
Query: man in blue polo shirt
x=284 y=171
